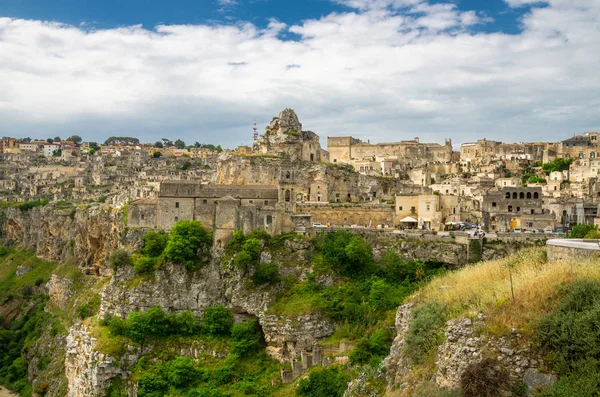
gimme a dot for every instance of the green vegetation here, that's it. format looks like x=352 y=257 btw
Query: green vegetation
x=189 y=244
x=558 y=164
x=425 y=332
x=23 y=206
x=217 y=321
x=584 y=231
x=324 y=382
x=570 y=335
x=28 y=320
x=120 y=258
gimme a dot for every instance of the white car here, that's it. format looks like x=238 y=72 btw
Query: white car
x=319 y=224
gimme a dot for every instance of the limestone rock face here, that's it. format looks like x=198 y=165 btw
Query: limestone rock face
x=88 y=371
x=395 y=364
x=56 y=234
x=286 y=122
x=173 y=288
x=464 y=346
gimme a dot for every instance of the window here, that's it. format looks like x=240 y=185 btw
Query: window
x=266 y=202
x=593 y=155
x=269 y=220
x=204 y=201
x=536 y=195
x=507 y=195
x=335 y=160
x=287 y=175
x=142 y=216
x=515 y=195
x=494 y=204
x=581 y=155
x=400 y=208
x=288 y=196
x=522 y=195
x=510 y=208
x=177 y=204
x=428 y=207
x=251 y=201
x=413 y=210
x=176 y=218
x=593 y=137
x=532 y=212
x=312 y=157
x=528 y=195
x=518 y=209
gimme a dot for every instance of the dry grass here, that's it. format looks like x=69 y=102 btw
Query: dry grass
x=486 y=287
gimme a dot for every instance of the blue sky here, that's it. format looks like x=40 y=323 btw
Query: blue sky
x=149 y=13
x=384 y=70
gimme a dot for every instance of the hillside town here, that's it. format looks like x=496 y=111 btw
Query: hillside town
x=287 y=180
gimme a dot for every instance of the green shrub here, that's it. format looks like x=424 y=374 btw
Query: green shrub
x=151 y=386
x=483 y=379
x=120 y=258
x=205 y=392
x=84 y=311
x=382 y=295
x=245 y=338
x=144 y=264
x=347 y=254
x=571 y=334
x=266 y=273
x=217 y=320
x=3 y=251
x=185 y=323
x=189 y=243
x=181 y=372
x=580 y=231
x=155 y=243
x=242 y=259
x=372 y=349
x=253 y=247
x=324 y=382
x=584 y=380
x=425 y=331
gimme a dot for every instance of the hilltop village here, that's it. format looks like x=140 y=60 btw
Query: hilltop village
x=287 y=181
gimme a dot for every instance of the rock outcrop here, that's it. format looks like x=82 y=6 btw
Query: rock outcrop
x=56 y=234
x=88 y=371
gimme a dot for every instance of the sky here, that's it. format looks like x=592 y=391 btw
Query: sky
x=378 y=70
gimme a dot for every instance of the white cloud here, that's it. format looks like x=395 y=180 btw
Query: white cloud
x=380 y=73
x=521 y=3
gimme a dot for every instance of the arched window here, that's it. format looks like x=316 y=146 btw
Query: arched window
x=515 y=195
x=536 y=195
x=522 y=195
x=287 y=196
x=287 y=175
x=581 y=155
x=507 y=195
x=269 y=219
x=593 y=155
x=528 y=195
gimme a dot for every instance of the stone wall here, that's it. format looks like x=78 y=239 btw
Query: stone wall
x=563 y=249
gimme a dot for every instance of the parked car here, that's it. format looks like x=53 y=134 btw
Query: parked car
x=539 y=231
x=517 y=230
x=548 y=231
x=318 y=224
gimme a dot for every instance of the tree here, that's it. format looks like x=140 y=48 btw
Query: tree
x=218 y=149
x=179 y=144
x=245 y=337
x=120 y=258
x=181 y=372
x=156 y=154
x=167 y=142
x=155 y=243
x=76 y=139
x=326 y=382
x=558 y=164
x=158 y=144
x=56 y=139
x=95 y=146
x=50 y=140
x=217 y=320
x=187 y=241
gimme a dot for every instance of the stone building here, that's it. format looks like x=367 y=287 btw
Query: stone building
x=221 y=208
x=353 y=151
x=515 y=207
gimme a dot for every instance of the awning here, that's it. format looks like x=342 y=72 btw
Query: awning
x=409 y=219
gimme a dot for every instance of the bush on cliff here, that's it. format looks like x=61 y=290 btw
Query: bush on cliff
x=245 y=338
x=155 y=243
x=425 y=332
x=324 y=382
x=189 y=243
x=217 y=321
x=345 y=253
x=144 y=264
x=120 y=258
x=266 y=273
